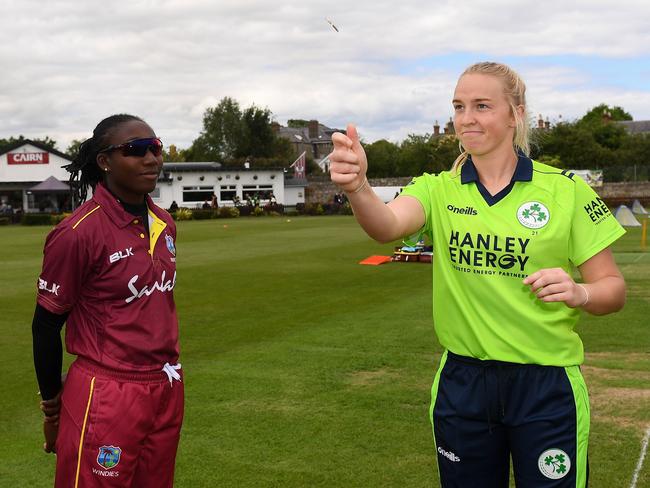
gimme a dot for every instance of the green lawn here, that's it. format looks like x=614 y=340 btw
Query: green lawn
x=306 y=369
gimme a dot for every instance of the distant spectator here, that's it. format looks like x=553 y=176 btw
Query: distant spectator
x=214 y=203
x=206 y=205
x=173 y=207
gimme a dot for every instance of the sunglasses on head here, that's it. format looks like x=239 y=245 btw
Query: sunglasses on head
x=138 y=148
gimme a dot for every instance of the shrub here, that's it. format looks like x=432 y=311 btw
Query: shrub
x=58 y=218
x=36 y=219
x=257 y=212
x=314 y=209
x=245 y=210
x=182 y=214
x=228 y=212
x=202 y=214
x=274 y=208
x=5 y=220
x=345 y=209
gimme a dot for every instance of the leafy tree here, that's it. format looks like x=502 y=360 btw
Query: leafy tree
x=258 y=136
x=222 y=134
x=445 y=150
x=173 y=155
x=574 y=145
x=234 y=136
x=601 y=113
x=47 y=141
x=297 y=123
x=383 y=157
x=416 y=154
x=73 y=148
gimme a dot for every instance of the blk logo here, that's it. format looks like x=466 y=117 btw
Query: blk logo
x=116 y=256
x=52 y=287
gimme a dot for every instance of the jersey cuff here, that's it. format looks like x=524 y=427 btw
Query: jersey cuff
x=52 y=306
x=599 y=247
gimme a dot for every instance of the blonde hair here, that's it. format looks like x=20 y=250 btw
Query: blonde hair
x=515 y=91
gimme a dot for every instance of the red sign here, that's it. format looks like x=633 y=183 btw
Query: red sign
x=28 y=158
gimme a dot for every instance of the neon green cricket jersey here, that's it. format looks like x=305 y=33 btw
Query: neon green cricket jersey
x=484 y=246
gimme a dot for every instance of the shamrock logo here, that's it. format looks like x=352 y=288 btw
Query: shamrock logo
x=557 y=463
x=554 y=463
x=533 y=215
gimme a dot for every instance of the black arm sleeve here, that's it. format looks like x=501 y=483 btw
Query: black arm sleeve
x=48 y=350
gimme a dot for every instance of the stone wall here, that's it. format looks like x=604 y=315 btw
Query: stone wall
x=625 y=193
x=322 y=190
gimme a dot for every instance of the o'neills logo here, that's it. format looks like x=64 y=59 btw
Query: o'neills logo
x=449 y=455
x=146 y=290
x=488 y=254
x=463 y=211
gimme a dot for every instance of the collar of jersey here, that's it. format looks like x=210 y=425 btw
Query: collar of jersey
x=113 y=207
x=523 y=172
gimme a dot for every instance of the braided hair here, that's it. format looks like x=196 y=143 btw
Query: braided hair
x=84 y=171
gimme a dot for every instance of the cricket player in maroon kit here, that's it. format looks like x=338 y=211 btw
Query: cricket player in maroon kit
x=109 y=272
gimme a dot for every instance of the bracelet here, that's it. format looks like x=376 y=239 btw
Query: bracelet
x=360 y=187
x=586 y=295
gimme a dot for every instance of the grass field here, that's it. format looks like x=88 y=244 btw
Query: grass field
x=305 y=369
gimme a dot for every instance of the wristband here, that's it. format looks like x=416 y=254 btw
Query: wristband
x=360 y=187
x=586 y=295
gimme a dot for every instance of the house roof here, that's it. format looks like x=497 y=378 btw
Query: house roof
x=211 y=166
x=50 y=185
x=301 y=134
x=636 y=126
x=37 y=144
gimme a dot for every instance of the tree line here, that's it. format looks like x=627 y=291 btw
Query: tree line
x=233 y=136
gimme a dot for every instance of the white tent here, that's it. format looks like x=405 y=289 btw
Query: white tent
x=625 y=217
x=638 y=209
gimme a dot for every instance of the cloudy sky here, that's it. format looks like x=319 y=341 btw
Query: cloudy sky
x=391 y=68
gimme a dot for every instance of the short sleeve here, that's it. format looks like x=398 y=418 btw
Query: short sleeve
x=65 y=267
x=594 y=227
x=418 y=188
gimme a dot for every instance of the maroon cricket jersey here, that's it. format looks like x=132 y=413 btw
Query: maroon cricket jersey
x=116 y=282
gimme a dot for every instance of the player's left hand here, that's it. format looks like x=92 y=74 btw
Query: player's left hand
x=555 y=285
x=51 y=409
x=51 y=432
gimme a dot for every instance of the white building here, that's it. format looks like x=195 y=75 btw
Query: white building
x=191 y=184
x=26 y=165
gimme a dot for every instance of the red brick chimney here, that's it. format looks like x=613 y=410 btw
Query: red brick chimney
x=540 y=122
x=436 y=129
x=313 y=129
x=449 y=127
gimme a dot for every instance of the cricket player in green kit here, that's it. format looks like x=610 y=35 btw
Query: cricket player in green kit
x=506 y=231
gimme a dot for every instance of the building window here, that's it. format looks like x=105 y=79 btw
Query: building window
x=227 y=193
x=261 y=191
x=197 y=193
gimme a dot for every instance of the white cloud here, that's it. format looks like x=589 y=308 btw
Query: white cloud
x=67 y=64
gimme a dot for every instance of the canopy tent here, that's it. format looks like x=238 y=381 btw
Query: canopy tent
x=51 y=185
x=638 y=209
x=625 y=217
